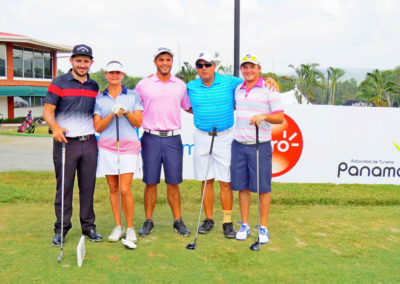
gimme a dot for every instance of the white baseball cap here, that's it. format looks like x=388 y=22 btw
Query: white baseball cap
x=162 y=50
x=114 y=65
x=205 y=56
x=250 y=58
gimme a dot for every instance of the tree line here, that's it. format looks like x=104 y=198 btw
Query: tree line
x=379 y=87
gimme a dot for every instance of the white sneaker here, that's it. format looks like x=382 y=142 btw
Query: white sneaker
x=263 y=235
x=116 y=234
x=243 y=233
x=128 y=244
x=131 y=235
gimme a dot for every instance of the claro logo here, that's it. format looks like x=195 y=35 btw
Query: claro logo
x=287 y=143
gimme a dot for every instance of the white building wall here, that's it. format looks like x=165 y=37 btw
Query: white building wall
x=23 y=111
x=3 y=106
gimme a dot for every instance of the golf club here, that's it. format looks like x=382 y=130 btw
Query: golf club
x=62 y=199
x=119 y=170
x=193 y=245
x=256 y=245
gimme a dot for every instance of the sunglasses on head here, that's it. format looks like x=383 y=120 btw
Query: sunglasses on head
x=201 y=65
x=249 y=57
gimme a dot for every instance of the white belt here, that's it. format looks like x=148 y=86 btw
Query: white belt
x=250 y=142
x=163 y=133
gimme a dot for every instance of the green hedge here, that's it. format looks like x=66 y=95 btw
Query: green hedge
x=18 y=119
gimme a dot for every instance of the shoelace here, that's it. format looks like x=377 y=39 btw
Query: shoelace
x=243 y=227
x=262 y=230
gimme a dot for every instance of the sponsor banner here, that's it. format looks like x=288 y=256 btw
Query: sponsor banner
x=344 y=144
x=326 y=144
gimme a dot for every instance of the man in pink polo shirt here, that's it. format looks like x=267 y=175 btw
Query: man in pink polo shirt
x=163 y=96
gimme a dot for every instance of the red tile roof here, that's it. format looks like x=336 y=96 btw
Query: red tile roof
x=8 y=37
x=8 y=34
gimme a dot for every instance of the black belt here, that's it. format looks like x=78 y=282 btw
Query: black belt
x=82 y=138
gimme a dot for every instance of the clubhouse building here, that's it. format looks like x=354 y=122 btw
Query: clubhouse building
x=27 y=66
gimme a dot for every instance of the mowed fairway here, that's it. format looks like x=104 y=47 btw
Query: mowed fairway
x=319 y=233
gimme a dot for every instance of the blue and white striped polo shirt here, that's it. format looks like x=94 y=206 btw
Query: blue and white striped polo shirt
x=213 y=105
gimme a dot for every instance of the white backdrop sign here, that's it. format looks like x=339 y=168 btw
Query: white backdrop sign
x=327 y=144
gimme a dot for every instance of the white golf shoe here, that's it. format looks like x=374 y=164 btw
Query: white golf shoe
x=131 y=235
x=116 y=234
x=128 y=244
x=263 y=235
x=243 y=233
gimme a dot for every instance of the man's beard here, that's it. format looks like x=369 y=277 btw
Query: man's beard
x=78 y=73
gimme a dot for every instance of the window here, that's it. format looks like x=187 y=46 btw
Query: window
x=17 y=58
x=48 y=65
x=29 y=63
x=3 y=65
x=38 y=64
x=27 y=55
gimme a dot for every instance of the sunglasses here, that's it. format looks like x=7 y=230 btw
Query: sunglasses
x=201 y=65
x=249 y=57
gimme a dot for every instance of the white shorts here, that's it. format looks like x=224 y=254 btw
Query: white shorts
x=220 y=159
x=107 y=163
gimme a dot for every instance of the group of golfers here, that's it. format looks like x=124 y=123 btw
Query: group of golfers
x=75 y=109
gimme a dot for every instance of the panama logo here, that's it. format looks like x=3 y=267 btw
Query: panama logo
x=287 y=145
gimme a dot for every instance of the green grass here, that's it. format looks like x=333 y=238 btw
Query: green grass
x=41 y=130
x=319 y=233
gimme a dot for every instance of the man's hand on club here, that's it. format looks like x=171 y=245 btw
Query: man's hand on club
x=257 y=119
x=59 y=134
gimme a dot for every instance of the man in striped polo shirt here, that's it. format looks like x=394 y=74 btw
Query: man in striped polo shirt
x=212 y=100
x=255 y=105
x=68 y=110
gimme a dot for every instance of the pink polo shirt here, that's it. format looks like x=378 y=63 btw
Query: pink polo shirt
x=162 y=102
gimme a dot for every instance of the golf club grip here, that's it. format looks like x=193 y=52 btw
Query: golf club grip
x=214 y=133
x=117 y=124
x=257 y=135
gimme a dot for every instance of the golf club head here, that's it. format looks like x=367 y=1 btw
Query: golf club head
x=60 y=257
x=255 y=246
x=128 y=244
x=80 y=251
x=191 y=246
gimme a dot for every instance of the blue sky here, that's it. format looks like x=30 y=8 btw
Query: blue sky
x=346 y=34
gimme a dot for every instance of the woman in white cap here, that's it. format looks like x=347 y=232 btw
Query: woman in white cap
x=117 y=100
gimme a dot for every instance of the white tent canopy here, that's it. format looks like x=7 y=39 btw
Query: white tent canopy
x=290 y=98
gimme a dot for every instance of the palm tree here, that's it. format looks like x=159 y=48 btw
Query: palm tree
x=379 y=86
x=187 y=72
x=334 y=75
x=225 y=70
x=307 y=77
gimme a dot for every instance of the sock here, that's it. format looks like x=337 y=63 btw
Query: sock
x=227 y=216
